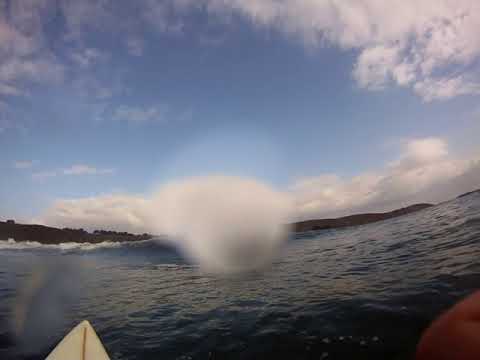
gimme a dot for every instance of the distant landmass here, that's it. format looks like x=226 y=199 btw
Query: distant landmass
x=469 y=193
x=353 y=220
x=51 y=235
x=362 y=219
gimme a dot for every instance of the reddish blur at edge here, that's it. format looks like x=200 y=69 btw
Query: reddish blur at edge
x=455 y=335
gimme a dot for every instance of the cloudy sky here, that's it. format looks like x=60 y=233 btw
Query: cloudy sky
x=344 y=106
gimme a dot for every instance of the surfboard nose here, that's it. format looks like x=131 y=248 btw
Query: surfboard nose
x=81 y=343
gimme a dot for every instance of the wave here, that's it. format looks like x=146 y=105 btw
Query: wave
x=158 y=250
x=11 y=244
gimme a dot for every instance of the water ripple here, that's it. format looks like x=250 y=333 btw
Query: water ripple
x=365 y=292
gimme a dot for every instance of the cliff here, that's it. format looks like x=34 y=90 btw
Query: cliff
x=352 y=220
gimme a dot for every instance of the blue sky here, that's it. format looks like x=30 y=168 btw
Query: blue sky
x=99 y=99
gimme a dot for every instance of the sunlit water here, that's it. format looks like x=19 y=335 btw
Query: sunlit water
x=359 y=293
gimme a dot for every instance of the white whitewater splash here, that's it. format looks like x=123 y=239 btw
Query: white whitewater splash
x=224 y=224
x=11 y=244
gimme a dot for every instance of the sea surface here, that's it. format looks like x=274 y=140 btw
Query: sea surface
x=364 y=292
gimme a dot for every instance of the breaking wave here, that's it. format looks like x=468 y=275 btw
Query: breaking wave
x=11 y=244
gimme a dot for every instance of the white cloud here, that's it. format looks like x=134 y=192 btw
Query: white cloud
x=374 y=65
x=425 y=171
x=221 y=221
x=139 y=115
x=445 y=88
x=117 y=212
x=418 y=152
x=430 y=46
x=81 y=169
x=410 y=43
x=23 y=54
x=74 y=170
x=22 y=164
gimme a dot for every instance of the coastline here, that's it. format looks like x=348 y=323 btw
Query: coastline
x=51 y=235
x=355 y=220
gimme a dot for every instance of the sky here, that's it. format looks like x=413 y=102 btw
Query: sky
x=343 y=106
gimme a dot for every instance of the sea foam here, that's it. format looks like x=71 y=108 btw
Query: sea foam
x=11 y=244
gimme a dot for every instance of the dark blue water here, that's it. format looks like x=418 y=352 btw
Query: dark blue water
x=359 y=293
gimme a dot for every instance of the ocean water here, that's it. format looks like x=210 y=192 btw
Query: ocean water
x=359 y=293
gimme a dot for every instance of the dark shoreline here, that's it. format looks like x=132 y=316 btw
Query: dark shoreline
x=50 y=235
x=355 y=220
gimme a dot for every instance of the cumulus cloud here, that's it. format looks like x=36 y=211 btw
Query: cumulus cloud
x=409 y=43
x=429 y=46
x=424 y=172
x=23 y=54
x=446 y=88
x=27 y=53
x=418 y=152
x=117 y=212
x=231 y=223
